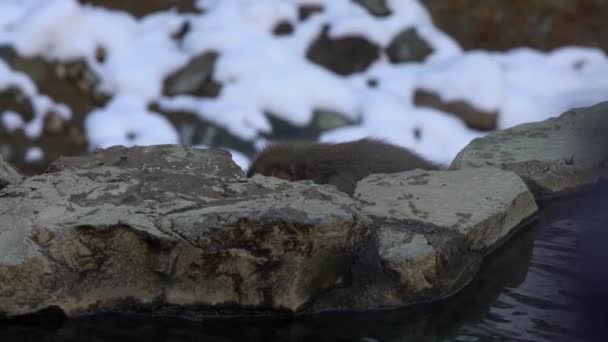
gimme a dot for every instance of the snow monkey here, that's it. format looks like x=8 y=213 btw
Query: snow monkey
x=342 y=165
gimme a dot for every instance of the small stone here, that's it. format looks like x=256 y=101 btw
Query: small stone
x=283 y=28
x=183 y=30
x=100 y=54
x=345 y=55
x=377 y=8
x=306 y=11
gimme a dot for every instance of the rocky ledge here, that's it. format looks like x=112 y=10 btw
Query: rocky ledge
x=180 y=230
x=555 y=156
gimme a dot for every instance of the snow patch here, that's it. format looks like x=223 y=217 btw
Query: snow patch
x=127 y=121
x=262 y=73
x=12 y=121
x=34 y=154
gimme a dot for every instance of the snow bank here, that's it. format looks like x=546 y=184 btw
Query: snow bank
x=262 y=72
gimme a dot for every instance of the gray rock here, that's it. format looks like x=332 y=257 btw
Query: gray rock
x=483 y=205
x=409 y=255
x=178 y=230
x=375 y=7
x=8 y=175
x=408 y=46
x=325 y=120
x=168 y=226
x=432 y=229
x=194 y=78
x=553 y=156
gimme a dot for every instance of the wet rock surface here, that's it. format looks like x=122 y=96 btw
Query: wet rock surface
x=553 y=156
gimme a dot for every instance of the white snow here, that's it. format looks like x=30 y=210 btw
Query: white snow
x=240 y=159
x=475 y=76
x=261 y=72
x=126 y=121
x=34 y=154
x=12 y=121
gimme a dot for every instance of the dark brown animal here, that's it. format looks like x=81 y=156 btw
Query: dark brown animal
x=342 y=165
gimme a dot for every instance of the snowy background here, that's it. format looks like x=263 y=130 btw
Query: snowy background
x=262 y=72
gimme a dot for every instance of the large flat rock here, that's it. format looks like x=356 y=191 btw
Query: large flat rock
x=431 y=231
x=169 y=226
x=482 y=205
x=553 y=156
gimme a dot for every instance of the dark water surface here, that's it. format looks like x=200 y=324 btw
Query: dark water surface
x=525 y=291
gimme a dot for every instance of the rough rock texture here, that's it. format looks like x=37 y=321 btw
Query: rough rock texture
x=431 y=229
x=553 y=156
x=170 y=226
x=179 y=230
x=8 y=175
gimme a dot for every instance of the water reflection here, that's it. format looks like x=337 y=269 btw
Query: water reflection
x=524 y=292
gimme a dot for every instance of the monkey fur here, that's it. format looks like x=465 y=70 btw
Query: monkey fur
x=342 y=165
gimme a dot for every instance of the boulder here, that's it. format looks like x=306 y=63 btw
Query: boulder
x=170 y=226
x=554 y=156
x=431 y=230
